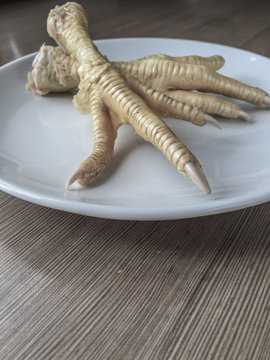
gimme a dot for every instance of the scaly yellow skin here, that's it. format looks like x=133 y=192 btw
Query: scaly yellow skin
x=135 y=93
x=102 y=86
x=55 y=71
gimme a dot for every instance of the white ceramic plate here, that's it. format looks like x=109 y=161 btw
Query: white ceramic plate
x=43 y=139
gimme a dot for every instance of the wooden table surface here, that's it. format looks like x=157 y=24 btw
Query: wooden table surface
x=77 y=287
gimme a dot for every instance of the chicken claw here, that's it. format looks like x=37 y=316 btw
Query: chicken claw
x=136 y=92
x=104 y=91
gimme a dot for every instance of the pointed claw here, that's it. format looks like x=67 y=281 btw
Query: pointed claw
x=78 y=174
x=267 y=100
x=196 y=175
x=243 y=115
x=212 y=121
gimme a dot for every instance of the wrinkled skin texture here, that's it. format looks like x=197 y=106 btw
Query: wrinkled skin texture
x=55 y=71
x=134 y=93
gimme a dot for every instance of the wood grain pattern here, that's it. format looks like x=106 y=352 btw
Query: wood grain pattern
x=76 y=287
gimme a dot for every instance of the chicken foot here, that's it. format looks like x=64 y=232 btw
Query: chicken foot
x=101 y=82
x=135 y=93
